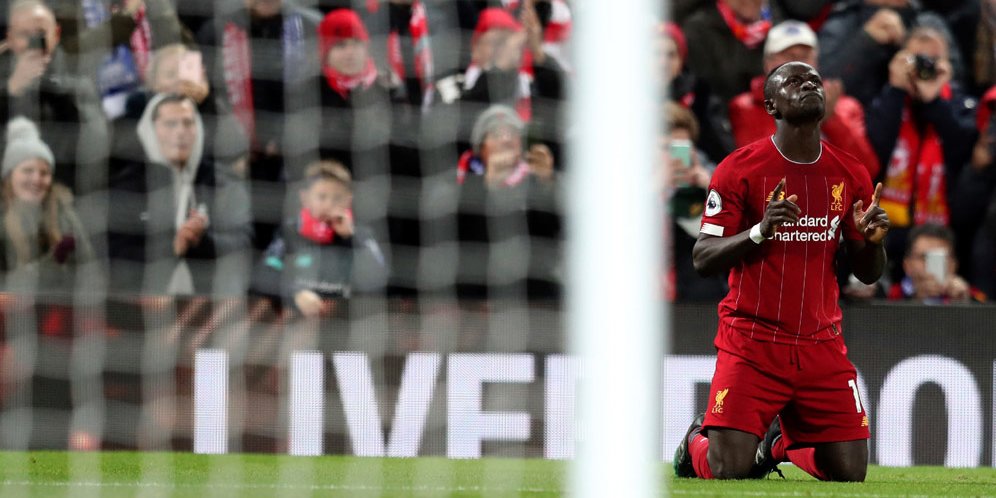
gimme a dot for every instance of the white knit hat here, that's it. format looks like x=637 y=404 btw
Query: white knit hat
x=23 y=143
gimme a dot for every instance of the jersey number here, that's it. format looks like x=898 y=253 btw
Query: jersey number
x=854 y=390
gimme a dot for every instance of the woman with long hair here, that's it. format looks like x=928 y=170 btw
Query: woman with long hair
x=42 y=237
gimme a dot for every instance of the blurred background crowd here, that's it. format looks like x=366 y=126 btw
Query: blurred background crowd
x=310 y=149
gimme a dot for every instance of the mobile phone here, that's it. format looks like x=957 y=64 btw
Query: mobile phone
x=191 y=67
x=937 y=264
x=682 y=151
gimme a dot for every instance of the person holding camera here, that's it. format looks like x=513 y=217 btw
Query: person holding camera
x=922 y=127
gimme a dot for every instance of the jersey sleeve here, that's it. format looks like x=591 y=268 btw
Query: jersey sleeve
x=724 y=207
x=862 y=188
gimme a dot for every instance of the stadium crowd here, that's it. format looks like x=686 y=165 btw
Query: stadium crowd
x=302 y=150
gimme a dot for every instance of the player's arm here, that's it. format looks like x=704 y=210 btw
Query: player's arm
x=868 y=255
x=712 y=255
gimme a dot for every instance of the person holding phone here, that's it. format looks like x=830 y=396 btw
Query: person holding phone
x=684 y=182
x=37 y=83
x=931 y=269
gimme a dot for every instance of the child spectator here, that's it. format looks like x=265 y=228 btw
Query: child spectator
x=321 y=253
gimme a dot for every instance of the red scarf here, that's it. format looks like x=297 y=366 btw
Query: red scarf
x=237 y=63
x=923 y=189
x=314 y=229
x=236 y=59
x=343 y=84
x=140 y=41
x=418 y=29
x=752 y=35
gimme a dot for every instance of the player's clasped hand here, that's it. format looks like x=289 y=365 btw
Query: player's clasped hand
x=873 y=223
x=779 y=211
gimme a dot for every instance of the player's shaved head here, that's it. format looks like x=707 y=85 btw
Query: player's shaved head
x=769 y=84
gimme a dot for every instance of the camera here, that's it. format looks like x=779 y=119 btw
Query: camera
x=924 y=67
x=38 y=42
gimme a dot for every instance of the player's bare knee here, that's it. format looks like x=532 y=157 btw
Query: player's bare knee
x=849 y=472
x=729 y=464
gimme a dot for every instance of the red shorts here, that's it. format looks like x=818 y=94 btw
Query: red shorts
x=813 y=387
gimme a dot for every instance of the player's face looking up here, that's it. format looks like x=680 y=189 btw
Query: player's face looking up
x=794 y=92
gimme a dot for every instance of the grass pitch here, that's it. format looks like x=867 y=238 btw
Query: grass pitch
x=169 y=475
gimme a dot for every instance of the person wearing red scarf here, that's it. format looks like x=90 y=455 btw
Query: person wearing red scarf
x=343 y=43
x=923 y=129
x=725 y=44
x=351 y=90
x=685 y=88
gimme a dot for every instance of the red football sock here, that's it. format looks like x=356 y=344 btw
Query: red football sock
x=805 y=459
x=699 y=450
x=778 y=450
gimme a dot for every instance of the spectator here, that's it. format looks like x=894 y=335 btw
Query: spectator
x=43 y=238
x=510 y=206
x=861 y=36
x=260 y=61
x=923 y=129
x=724 y=44
x=321 y=252
x=113 y=42
x=501 y=71
x=984 y=56
x=844 y=124
x=973 y=206
x=685 y=186
x=931 y=269
x=177 y=69
x=180 y=225
x=693 y=93
x=350 y=88
x=497 y=152
x=400 y=41
x=65 y=106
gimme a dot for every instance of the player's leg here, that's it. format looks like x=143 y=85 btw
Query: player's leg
x=730 y=453
x=724 y=454
x=745 y=396
x=843 y=461
x=826 y=427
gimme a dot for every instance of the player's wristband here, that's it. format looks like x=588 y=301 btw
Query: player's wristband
x=756 y=235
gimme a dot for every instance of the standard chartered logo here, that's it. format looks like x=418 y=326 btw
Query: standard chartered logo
x=809 y=229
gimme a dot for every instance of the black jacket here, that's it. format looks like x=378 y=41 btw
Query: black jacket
x=141 y=226
x=340 y=268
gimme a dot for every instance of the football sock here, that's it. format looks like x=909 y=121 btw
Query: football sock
x=805 y=459
x=778 y=450
x=698 y=448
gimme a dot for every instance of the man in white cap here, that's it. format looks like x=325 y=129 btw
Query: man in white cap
x=844 y=124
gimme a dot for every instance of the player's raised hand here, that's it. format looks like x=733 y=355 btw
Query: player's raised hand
x=780 y=210
x=873 y=223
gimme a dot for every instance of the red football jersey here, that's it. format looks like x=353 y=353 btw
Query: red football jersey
x=786 y=290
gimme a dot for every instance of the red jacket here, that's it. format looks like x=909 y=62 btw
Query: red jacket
x=845 y=128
